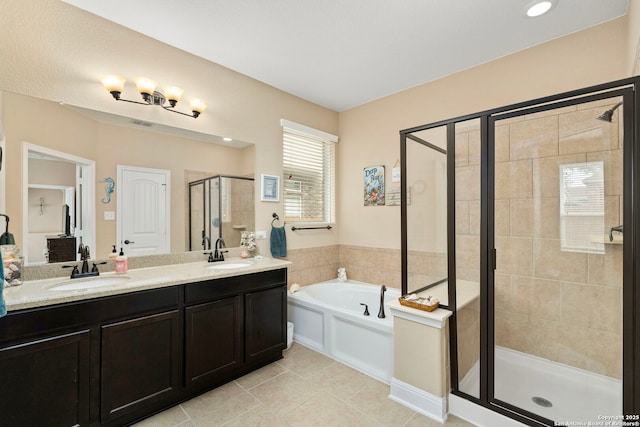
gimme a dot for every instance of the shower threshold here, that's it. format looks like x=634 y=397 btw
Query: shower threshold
x=550 y=389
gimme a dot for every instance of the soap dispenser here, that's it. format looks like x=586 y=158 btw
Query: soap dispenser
x=114 y=253
x=121 y=262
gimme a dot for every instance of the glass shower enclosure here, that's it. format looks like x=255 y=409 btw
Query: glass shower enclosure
x=542 y=270
x=220 y=206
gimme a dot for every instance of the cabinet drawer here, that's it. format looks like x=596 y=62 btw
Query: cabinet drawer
x=220 y=288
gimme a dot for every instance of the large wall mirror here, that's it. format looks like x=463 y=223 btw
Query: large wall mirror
x=68 y=165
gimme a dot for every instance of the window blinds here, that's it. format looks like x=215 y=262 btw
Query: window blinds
x=309 y=177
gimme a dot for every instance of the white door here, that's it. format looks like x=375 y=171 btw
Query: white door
x=143 y=210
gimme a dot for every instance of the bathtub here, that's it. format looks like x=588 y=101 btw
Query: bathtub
x=328 y=318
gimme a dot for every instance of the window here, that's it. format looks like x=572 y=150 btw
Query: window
x=582 y=207
x=308 y=160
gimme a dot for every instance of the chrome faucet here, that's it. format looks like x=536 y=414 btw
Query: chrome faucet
x=383 y=289
x=218 y=253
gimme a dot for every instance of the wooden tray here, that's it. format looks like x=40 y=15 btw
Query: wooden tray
x=418 y=304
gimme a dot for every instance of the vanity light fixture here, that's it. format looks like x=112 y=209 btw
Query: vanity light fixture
x=151 y=96
x=537 y=8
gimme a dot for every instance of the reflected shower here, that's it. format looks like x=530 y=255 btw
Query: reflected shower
x=607 y=115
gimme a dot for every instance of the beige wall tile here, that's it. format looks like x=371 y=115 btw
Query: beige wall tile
x=546 y=218
x=474 y=217
x=514 y=255
x=521 y=217
x=580 y=132
x=607 y=362
x=468 y=183
x=613 y=178
x=546 y=174
x=462 y=217
x=462 y=149
x=536 y=297
x=606 y=269
x=502 y=217
x=502 y=142
x=550 y=262
x=534 y=138
x=555 y=112
x=514 y=179
x=468 y=252
x=474 y=148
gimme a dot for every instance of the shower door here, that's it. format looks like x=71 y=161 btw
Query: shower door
x=556 y=214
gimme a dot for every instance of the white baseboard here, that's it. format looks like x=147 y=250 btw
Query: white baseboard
x=419 y=400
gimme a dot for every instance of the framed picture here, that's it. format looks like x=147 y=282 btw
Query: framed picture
x=374 y=186
x=270 y=188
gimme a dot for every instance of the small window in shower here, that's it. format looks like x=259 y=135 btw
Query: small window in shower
x=582 y=207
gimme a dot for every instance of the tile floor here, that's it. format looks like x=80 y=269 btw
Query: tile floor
x=305 y=388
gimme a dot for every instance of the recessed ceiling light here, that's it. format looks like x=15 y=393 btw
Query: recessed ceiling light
x=538 y=8
x=227 y=139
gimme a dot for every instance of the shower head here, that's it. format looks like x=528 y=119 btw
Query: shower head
x=607 y=115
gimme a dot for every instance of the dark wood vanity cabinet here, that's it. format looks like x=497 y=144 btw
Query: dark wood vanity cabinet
x=46 y=381
x=115 y=360
x=140 y=364
x=213 y=341
x=266 y=323
x=233 y=325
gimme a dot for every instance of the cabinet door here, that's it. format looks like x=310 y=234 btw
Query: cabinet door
x=46 y=382
x=266 y=323
x=140 y=365
x=213 y=341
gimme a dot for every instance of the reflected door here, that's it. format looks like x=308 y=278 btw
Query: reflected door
x=558 y=278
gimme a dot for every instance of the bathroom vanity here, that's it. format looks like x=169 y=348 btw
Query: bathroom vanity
x=113 y=359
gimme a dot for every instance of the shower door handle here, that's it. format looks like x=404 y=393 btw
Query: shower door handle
x=493 y=258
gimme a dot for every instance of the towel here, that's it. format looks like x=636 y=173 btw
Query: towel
x=278 y=242
x=3 y=306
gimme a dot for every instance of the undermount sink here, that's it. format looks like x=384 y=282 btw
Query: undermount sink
x=229 y=265
x=98 y=282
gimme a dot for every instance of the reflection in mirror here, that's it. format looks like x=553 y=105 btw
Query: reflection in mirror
x=59 y=205
x=426 y=176
x=108 y=140
x=220 y=207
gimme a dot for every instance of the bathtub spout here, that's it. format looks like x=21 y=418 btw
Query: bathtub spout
x=381 y=315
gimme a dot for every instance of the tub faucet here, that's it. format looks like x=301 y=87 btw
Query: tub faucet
x=383 y=289
x=619 y=229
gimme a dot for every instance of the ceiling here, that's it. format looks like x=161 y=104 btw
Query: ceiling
x=344 y=53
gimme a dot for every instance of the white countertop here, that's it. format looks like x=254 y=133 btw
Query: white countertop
x=36 y=293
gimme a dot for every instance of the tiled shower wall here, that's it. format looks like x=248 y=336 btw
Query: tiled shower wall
x=555 y=304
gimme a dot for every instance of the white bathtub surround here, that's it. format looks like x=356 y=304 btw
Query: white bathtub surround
x=421 y=360
x=329 y=318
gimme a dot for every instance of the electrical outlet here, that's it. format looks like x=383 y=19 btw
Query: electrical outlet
x=109 y=216
x=261 y=235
